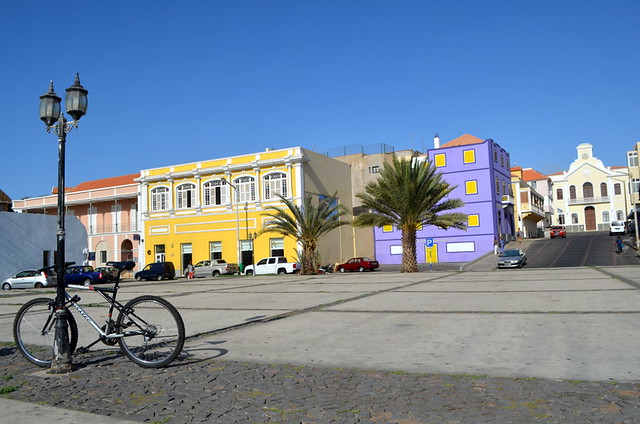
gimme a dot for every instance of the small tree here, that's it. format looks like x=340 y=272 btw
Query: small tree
x=409 y=194
x=306 y=224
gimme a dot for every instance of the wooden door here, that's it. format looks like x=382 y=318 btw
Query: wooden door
x=590 y=218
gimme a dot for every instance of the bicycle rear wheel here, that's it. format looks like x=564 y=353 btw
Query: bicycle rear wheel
x=34 y=331
x=153 y=331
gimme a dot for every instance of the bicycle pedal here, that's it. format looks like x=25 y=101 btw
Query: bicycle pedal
x=82 y=350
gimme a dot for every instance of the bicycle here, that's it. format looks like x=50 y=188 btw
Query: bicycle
x=149 y=329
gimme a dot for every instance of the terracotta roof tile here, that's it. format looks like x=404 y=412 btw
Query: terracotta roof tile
x=105 y=182
x=463 y=140
x=530 y=174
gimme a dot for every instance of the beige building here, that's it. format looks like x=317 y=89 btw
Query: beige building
x=590 y=195
x=529 y=205
x=634 y=174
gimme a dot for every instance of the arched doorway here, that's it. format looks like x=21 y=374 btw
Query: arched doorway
x=102 y=253
x=590 y=218
x=126 y=250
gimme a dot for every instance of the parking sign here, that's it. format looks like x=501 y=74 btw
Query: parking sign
x=429 y=242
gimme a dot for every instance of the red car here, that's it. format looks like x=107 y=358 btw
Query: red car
x=557 y=231
x=358 y=264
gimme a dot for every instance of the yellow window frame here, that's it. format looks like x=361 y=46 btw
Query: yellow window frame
x=440 y=160
x=469 y=156
x=471 y=187
x=473 y=220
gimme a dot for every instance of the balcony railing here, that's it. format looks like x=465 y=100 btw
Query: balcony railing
x=585 y=200
x=123 y=227
x=528 y=207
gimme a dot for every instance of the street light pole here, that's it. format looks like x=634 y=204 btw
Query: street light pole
x=253 y=239
x=50 y=113
x=224 y=181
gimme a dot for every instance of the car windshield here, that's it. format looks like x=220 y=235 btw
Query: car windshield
x=510 y=253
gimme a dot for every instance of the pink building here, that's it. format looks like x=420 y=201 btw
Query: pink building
x=108 y=208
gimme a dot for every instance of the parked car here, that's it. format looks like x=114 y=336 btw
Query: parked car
x=358 y=264
x=157 y=271
x=616 y=227
x=83 y=274
x=557 y=231
x=514 y=258
x=109 y=272
x=214 y=268
x=27 y=279
x=272 y=265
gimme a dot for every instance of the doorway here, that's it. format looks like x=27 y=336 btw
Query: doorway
x=185 y=254
x=590 y=218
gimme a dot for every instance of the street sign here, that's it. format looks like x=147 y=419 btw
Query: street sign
x=429 y=242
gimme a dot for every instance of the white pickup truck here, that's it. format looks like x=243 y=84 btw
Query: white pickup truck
x=272 y=265
x=214 y=268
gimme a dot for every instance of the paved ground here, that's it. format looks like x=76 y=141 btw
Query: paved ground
x=488 y=346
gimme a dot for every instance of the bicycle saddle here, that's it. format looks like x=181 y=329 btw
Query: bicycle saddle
x=122 y=266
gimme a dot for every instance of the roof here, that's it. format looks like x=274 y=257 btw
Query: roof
x=530 y=174
x=463 y=140
x=103 y=183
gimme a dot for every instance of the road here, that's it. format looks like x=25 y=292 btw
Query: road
x=579 y=249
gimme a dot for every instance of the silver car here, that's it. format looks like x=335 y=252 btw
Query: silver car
x=515 y=258
x=27 y=279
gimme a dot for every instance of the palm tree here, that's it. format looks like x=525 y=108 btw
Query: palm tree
x=409 y=194
x=306 y=224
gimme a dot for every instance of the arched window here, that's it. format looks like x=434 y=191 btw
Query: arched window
x=603 y=190
x=215 y=193
x=616 y=189
x=559 y=195
x=587 y=190
x=186 y=196
x=246 y=188
x=605 y=216
x=275 y=184
x=574 y=218
x=572 y=192
x=561 y=219
x=160 y=199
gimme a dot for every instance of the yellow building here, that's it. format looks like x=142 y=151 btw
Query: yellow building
x=589 y=195
x=213 y=209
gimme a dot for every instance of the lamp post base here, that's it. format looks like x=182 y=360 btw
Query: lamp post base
x=61 y=362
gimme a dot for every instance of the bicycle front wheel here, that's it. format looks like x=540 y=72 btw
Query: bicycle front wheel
x=34 y=331
x=153 y=331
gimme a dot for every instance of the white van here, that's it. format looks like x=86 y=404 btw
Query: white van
x=616 y=227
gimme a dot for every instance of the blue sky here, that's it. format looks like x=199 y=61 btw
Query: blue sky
x=173 y=82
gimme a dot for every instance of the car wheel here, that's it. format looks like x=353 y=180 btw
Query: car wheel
x=249 y=272
x=159 y=277
x=6 y=287
x=39 y=285
x=216 y=273
x=341 y=269
x=361 y=269
x=282 y=271
x=138 y=278
x=87 y=282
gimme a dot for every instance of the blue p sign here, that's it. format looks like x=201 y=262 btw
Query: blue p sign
x=429 y=242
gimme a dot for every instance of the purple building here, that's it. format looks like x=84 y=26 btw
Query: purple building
x=481 y=171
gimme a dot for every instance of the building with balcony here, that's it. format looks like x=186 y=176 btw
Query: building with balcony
x=213 y=209
x=590 y=195
x=529 y=205
x=480 y=171
x=108 y=208
x=5 y=202
x=634 y=178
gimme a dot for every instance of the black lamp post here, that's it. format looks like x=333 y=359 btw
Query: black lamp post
x=54 y=119
x=252 y=238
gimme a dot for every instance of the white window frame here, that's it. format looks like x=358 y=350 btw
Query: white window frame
x=632 y=159
x=246 y=186
x=186 y=196
x=605 y=216
x=209 y=196
x=160 y=198
x=275 y=183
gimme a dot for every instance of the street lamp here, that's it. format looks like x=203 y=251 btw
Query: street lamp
x=224 y=181
x=54 y=119
x=252 y=239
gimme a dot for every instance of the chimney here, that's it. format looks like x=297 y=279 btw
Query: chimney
x=436 y=141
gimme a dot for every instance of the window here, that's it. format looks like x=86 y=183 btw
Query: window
x=632 y=159
x=471 y=187
x=603 y=190
x=419 y=227
x=619 y=215
x=502 y=160
x=561 y=219
x=160 y=199
x=497 y=186
x=572 y=192
x=617 y=188
x=605 y=216
x=504 y=188
x=275 y=184
x=574 y=218
x=374 y=169
x=635 y=186
x=495 y=156
x=103 y=256
x=247 y=189
x=587 y=190
x=469 y=156
x=277 y=246
x=215 y=250
x=215 y=193
x=395 y=250
x=473 y=220
x=440 y=160
x=186 y=196
x=559 y=194
x=387 y=228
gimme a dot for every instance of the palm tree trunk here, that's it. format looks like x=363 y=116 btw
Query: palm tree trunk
x=307 y=260
x=409 y=262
